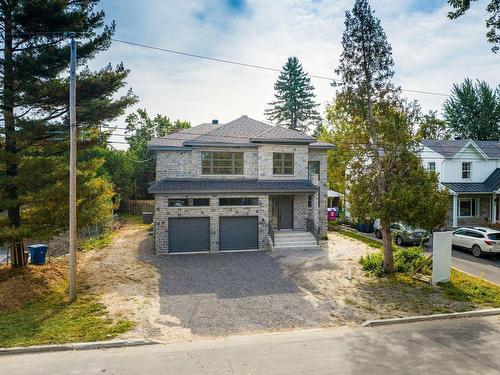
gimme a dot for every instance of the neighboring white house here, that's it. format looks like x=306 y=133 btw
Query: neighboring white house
x=471 y=172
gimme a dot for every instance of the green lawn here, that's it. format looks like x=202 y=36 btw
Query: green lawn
x=369 y=241
x=53 y=320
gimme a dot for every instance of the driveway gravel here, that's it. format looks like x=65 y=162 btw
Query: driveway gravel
x=234 y=293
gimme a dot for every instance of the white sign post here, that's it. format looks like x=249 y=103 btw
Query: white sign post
x=441 y=257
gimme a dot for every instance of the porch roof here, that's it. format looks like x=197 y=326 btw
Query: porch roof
x=490 y=185
x=181 y=186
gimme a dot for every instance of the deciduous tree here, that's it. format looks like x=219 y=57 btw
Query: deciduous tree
x=473 y=111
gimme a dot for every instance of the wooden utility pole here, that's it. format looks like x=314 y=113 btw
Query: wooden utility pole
x=72 y=173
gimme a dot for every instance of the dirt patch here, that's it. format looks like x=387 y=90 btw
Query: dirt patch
x=19 y=286
x=324 y=274
x=128 y=285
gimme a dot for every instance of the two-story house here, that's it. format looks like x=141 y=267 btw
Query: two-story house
x=243 y=185
x=470 y=170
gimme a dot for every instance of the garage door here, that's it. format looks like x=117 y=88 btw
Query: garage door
x=188 y=234
x=238 y=233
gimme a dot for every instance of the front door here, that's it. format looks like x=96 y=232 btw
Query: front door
x=285 y=212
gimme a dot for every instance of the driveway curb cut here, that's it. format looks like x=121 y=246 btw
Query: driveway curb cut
x=77 y=346
x=427 y=318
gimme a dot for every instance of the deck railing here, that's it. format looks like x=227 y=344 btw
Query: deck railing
x=312 y=228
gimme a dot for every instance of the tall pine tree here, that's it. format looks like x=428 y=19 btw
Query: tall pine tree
x=295 y=105
x=374 y=135
x=35 y=96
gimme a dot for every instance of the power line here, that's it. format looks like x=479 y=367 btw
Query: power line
x=248 y=65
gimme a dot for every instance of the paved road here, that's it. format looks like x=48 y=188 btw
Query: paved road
x=487 y=267
x=467 y=346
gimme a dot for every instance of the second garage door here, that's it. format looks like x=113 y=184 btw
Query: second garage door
x=238 y=233
x=188 y=234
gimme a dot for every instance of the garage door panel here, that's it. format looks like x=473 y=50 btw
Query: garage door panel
x=238 y=233
x=189 y=234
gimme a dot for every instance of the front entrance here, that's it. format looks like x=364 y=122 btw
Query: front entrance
x=282 y=212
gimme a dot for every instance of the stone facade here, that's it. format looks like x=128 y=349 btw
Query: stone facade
x=163 y=213
x=258 y=163
x=484 y=212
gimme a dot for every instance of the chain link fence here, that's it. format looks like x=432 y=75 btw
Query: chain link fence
x=59 y=244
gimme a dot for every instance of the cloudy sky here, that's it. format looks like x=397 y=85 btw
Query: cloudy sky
x=431 y=52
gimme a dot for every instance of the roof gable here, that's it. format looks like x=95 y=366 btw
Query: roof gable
x=450 y=148
x=239 y=132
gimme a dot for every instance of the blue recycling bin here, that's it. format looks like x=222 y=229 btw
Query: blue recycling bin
x=37 y=253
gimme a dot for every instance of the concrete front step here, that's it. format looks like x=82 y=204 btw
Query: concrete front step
x=295 y=243
x=284 y=248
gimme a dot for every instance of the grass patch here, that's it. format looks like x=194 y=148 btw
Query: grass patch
x=132 y=219
x=97 y=243
x=53 y=320
x=465 y=288
x=369 y=241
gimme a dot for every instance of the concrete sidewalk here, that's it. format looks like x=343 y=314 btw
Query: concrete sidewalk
x=468 y=346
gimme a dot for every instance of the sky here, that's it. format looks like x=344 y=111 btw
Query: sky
x=430 y=51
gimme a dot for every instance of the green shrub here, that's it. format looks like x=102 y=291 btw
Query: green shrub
x=373 y=263
x=333 y=224
x=405 y=260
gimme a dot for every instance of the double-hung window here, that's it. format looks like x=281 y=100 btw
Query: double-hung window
x=282 y=163
x=222 y=163
x=313 y=167
x=431 y=166
x=466 y=169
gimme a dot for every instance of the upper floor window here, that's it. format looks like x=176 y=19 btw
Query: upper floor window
x=431 y=166
x=313 y=167
x=222 y=163
x=282 y=163
x=466 y=169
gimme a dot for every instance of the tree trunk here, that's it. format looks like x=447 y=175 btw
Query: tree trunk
x=388 y=254
x=11 y=161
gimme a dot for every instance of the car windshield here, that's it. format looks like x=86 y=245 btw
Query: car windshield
x=494 y=236
x=408 y=228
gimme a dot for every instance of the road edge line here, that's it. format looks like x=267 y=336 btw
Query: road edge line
x=427 y=318
x=76 y=346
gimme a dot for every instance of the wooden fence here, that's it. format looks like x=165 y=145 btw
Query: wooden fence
x=137 y=207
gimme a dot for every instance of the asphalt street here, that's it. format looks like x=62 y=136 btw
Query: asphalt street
x=463 y=346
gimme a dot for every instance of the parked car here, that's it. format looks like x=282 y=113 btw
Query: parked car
x=404 y=234
x=479 y=240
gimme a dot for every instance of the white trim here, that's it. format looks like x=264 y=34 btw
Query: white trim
x=462 y=170
x=478 y=207
x=473 y=144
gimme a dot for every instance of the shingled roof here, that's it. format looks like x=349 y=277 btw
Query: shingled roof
x=449 y=148
x=243 y=131
x=490 y=185
x=182 y=185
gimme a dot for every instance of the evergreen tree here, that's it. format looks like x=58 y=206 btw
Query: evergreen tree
x=140 y=129
x=374 y=135
x=473 y=111
x=35 y=96
x=492 y=22
x=432 y=127
x=295 y=105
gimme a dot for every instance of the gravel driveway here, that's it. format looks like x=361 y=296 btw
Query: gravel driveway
x=234 y=293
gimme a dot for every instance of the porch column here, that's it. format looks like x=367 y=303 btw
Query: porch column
x=494 y=200
x=455 y=211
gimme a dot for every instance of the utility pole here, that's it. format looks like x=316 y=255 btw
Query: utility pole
x=72 y=172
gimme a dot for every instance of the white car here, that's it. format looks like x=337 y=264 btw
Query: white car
x=479 y=240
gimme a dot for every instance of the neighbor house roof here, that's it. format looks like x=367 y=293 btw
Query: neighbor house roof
x=449 y=148
x=181 y=186
x=243 y=131
x=490 y=185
